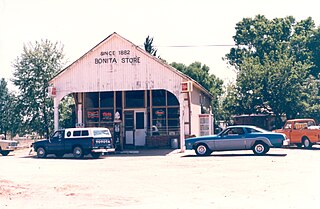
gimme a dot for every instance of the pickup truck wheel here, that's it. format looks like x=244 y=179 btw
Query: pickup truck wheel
x=306 y=143
x=95 y=155
x=41 y=152
x=202 y=150
x=78 y=152
x=4 y=153
x=260 y=148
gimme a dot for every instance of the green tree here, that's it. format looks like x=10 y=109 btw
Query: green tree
x=200 y=73
x=33 y=69
x=67 y=112
x=272 y=58
x=4 y=107
x=9 y=118
x=314 y=46
x=148 y=46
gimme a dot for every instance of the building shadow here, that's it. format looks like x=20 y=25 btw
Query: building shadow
x=238 y=155
x=124 y=153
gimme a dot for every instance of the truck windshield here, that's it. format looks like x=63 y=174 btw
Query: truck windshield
x=101 y=132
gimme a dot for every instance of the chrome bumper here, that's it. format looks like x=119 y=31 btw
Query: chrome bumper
x=104 y=150
x=286 y=142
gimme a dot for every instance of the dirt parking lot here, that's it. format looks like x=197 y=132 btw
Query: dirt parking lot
x=285 y=178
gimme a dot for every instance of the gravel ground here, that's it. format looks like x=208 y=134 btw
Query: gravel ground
x=285 y=178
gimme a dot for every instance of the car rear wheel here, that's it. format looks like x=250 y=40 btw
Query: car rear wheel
x=202 y=150
x=78 y=152
x=306 y=143
x=41 y=152
x=260 y=148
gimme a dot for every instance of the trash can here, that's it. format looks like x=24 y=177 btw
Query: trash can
x=174 y=143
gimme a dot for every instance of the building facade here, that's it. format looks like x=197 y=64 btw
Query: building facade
x=143 y=100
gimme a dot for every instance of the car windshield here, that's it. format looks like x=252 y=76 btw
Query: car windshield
x=101 y=132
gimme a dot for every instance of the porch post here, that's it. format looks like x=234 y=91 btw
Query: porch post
x=56 y=113
x=182 y=137
x=79 y=108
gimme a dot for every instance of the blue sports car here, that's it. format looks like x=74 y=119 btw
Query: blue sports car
x=241 y=137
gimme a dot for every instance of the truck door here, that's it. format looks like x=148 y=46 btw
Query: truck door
x=287 y=130
x=56 y=142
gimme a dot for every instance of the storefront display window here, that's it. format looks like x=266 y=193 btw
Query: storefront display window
x=106 y=99
x=106 y=115
x=172 y=100
x=134 y=99
x=92 y=100
x=159 y=98
x=93 y=115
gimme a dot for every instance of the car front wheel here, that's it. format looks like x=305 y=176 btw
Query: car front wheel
x=78 y=152
x=202 y=150
x=41 y=152
x=260 y=148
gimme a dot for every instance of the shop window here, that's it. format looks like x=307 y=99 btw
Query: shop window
x=93 y=115
x=173 y=113
x=119 y=99
x=92 y=100
x=128 y=117
x=159 y=98
x=140 y=120
x=172 y=99
x=106 y=115
x=173 y=121
x=159 y=119
x=134 y=99
x=106 y=99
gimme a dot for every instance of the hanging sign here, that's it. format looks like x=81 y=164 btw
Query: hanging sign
x=52 y=91
x=186 y=86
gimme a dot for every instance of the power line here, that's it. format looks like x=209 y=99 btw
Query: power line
x=193 y=46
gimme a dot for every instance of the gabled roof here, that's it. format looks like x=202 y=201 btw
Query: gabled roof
x=196 y=84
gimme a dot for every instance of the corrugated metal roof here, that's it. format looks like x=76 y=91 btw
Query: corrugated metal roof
x=185 y=77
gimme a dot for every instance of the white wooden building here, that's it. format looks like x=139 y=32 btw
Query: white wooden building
x=155 y=102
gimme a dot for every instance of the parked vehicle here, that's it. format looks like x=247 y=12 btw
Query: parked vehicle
x=79 y=141
x=301 y=132
x=240 y=137
x=7 y=146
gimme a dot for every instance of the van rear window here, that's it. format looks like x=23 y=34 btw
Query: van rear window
x=102 y=132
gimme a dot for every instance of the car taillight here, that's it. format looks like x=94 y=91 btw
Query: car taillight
x=92 y=142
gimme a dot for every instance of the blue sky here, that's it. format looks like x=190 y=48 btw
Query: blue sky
x=80 y=25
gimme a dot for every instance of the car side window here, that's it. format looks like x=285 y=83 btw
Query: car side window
x=76 y=133
x=57 y=135
x=85 y=133
x=287 y=126
x=235 y=131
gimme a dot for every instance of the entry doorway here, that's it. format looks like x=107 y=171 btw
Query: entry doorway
x=135 y=127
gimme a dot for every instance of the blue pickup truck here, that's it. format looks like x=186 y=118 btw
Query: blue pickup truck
x=78 y=141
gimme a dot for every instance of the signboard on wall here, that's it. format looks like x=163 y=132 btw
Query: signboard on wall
x=186 y=86
x=52 y=91
x=122 y=56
